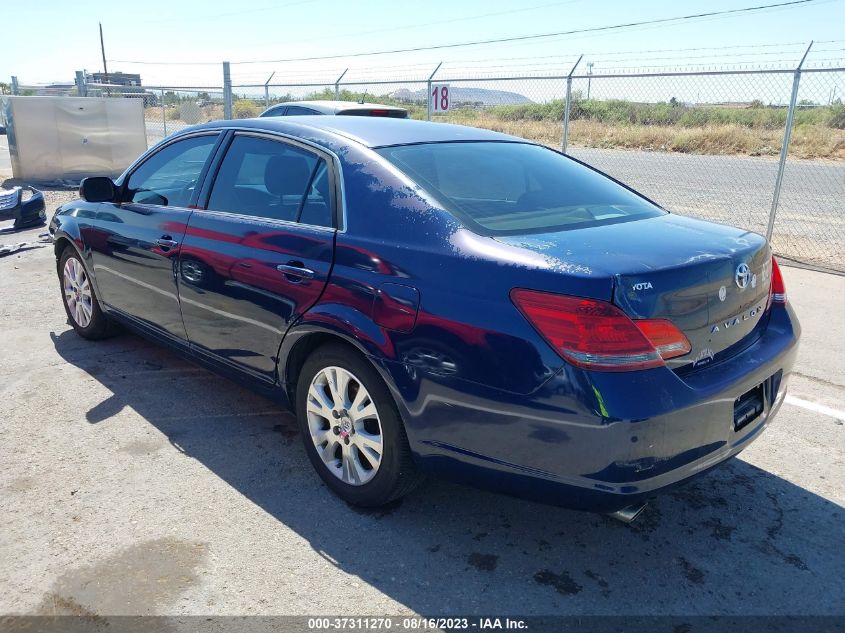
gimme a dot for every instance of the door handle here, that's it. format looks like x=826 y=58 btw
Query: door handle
x=296 y=270
x=165 y=242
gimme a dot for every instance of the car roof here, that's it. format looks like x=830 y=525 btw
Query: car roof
x=371 y=132
x=332 y=107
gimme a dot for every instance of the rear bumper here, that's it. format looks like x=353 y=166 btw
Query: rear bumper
x=591 y=440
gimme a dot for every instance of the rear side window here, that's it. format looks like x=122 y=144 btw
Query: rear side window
x=271 y=179
x=168 y=177
x=299 y=111
x=277 y=111
x=499 y=188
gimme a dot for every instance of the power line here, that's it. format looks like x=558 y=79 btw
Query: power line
x=568 y=58
x=541 y=35
x=614 y=27
x=494 y=49
x=564 y=57
x=572 y=56
x=769 y=64
x=637 y=59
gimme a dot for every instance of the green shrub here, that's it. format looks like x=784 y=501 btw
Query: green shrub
x=243 y=109
x=835 y=116
x=753 y=116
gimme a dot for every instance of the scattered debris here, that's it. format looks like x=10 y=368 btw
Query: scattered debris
x=43 y=240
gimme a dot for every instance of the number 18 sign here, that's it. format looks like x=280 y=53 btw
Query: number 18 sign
x=439 y=97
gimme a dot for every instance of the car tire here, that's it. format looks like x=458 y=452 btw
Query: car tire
x=340 y=433
x=79 y=298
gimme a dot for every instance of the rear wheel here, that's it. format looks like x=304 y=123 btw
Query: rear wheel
x=78 y=296
x=351 y=428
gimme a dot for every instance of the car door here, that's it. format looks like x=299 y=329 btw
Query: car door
x=138 y=236
x=259 y=251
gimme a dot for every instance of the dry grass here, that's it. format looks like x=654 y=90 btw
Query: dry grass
x=808 y=141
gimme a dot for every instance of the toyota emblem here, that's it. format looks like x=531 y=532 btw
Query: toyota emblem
x=743 y=276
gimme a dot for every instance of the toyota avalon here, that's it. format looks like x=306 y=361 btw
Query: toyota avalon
x=439 y=299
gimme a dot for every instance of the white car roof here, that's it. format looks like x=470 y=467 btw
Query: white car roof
x=333 y=107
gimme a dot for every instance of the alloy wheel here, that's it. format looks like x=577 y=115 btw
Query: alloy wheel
x=344 y=425
x=77 y=290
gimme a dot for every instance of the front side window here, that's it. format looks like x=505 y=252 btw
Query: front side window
x=497 y=188
x=271 y=179
x=168 y=177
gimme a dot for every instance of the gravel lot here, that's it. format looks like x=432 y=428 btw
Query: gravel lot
x=134 y=482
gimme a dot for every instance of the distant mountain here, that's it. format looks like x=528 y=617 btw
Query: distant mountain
x=466 y=96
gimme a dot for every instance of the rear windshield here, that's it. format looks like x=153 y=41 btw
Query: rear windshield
x=499 y=188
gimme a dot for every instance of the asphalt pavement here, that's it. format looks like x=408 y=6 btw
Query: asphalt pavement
x=5 y=159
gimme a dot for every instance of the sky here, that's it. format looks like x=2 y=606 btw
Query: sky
x=183 y=42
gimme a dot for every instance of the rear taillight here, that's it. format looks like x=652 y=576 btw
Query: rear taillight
x=598 y=335
x=778 y=288
x=667 y=339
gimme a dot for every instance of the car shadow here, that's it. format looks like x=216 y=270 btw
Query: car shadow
x=739 y=540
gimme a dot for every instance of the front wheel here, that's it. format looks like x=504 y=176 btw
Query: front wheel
x=351 y=428
x=78 y=296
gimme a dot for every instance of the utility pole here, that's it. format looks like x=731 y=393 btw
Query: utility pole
x=103 y=51
x=589 y=77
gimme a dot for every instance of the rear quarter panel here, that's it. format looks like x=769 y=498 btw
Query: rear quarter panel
x=468 y=337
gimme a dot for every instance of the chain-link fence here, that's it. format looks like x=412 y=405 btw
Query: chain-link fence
x=702 y=145
x=810 y=222
x=709 y=146
x=705 y=143
x=167 y=109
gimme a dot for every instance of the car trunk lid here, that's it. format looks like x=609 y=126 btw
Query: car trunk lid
x=711 y=281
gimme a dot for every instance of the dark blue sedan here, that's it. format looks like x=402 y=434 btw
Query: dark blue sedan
x=441 y=299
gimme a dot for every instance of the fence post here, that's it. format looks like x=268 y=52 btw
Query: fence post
x=163 y=113
x=81 y=88
x=15 y=88
x=227 y=92
x=784 y=150
x=267 y=89
x=428 y=92
x=337 y=84
x=568 y=107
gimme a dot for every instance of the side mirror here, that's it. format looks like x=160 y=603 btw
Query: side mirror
x=97 y=189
